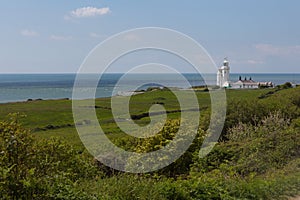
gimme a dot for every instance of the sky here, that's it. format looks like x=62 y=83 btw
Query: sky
x=56 y=36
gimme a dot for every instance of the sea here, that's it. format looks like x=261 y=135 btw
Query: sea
x=21 y=87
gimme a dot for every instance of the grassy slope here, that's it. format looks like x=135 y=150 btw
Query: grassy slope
x=47 y=114
x=58 y=113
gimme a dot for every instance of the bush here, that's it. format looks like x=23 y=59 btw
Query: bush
x=253 y=150
x=244 y=111
x=16 y=155
x=182 y=165
x=37 y=170
x=287 y=85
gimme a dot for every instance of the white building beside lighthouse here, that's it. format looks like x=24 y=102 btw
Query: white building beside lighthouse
x=223 y=74
x=223 y=79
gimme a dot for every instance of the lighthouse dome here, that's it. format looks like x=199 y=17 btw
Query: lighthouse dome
x=225 y=64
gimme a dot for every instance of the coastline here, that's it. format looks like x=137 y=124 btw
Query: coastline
x=197 y=88
x=21 y=87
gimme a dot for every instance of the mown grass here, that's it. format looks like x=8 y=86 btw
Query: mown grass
x=40 y=114
x=47 y=118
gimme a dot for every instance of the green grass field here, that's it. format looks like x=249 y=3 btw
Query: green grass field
x=53 y=118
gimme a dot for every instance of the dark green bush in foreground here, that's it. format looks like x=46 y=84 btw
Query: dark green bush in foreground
x=258 y=162
x=44 y=169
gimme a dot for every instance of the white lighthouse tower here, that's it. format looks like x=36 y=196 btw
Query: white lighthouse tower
x=223 y=74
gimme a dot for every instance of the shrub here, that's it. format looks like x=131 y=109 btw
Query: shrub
x=16 y=160
x=286 y=85
x=271 y=144
x=31 y=170
x=163 y=138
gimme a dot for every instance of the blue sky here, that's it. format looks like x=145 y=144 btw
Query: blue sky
x=55 y=36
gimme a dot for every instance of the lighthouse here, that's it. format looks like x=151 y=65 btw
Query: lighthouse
x=223 y=74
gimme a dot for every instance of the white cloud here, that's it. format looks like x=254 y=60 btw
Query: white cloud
x=29 y=33
x=60 y=37
x=96 y=35
x=246 y=61
x=87 y=12
x=132 y=37
x=254 y=62
x=273 y=50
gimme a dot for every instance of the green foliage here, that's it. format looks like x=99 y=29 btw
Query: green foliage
x=131 y=187
x=258 y=157
x=251 y=110
x=163 y=138
x=31 y=169
x=17 y=171
x=287 y=85
x=254 y=150
x=243 y=111
x=295 y=99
